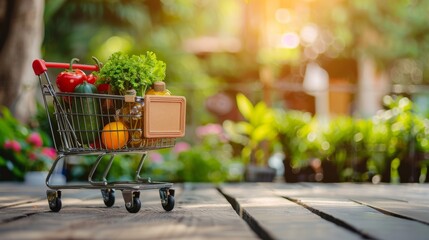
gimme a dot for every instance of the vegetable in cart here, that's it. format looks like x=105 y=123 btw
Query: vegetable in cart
x=70 y=78
x=123 y=72
x=85 y=111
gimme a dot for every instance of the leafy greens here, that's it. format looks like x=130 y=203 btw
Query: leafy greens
x=138 y=72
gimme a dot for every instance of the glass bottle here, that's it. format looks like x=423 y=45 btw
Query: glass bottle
x=131 y=114
x=158 y=89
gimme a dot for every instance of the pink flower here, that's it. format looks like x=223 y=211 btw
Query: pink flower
x=50 y=152
x=212 y=129
x=12 y=144
x=32 y=156
x=35 y=139
x=209 y=129
x=156 y=157
x=181 y=147
x=7 y=144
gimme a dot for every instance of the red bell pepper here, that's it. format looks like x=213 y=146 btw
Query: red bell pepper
x=70 y=78
x=103 y=88
x=92 y=77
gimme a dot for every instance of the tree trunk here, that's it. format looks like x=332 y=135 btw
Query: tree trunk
x=21 y=33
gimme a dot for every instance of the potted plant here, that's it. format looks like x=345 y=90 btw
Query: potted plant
x=257 y=136
x=288 y=124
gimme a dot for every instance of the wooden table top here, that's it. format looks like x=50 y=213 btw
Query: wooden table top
x=227 y=211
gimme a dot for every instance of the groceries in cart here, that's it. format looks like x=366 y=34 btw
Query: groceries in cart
x=121 y=106
x=122 y=123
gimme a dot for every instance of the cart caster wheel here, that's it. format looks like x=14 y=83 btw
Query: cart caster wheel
x=56 y=205
x=108 y=197
x=169 y=205
x=54 y=200
x=135 y=207
x=167 y=198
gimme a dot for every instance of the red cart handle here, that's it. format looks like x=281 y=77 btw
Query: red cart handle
x=40 y=66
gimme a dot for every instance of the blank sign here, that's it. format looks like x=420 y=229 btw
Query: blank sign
x=164 y=116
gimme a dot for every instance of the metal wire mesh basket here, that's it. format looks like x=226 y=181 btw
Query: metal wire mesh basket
x=80 y=119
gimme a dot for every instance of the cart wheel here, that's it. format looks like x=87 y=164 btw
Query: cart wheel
x=54 y=200
x=169 y=205
x=136 y=205
x=55 y=205
x=108 y=197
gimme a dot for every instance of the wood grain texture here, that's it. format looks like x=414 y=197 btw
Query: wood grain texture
x=349 y=204
x=200 y=213
x=280 y=218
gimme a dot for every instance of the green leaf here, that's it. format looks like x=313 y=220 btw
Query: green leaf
x=245 y=154
x=231 y=130
x=244 y=128
x=262 y=115
x=262 y=132
x=244 y=106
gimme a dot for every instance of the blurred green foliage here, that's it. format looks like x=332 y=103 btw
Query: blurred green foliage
x=99 y=28
x=22 y=148
x=393 y=34
x=210 y=160
x=387 y=33
x=255 y=133
x=360 y=148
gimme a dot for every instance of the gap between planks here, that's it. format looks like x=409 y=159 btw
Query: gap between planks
x=274 y=217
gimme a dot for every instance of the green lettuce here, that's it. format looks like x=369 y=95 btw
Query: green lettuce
x=124 y=72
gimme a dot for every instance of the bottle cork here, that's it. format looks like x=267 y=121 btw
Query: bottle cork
x=158 y=89
x=159 y=86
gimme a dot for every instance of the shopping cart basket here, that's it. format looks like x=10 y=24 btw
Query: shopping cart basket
x=77 y=126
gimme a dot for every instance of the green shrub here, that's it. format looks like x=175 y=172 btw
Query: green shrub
x=394 y=139
x=22 y=148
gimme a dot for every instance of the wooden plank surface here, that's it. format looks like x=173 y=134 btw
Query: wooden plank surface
x=275 y=217
x=200 y=212
x=229 y=211
x=413 y=211
x=407 y=200
x=12 y=194
x=357 y=207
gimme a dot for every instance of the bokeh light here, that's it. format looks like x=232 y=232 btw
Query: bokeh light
x=290 y=40
x=283 y=15
x=115 y=44
x=309 y=33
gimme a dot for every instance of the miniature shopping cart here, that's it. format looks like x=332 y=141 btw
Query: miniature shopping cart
x=77 y=125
